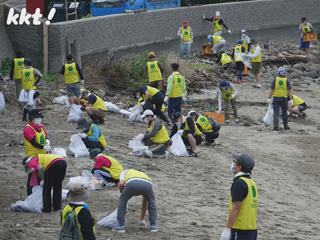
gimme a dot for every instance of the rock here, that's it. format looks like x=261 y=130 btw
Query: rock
x=307 y=82
x=307 y=79
x=298 y=52
x=314 y=68
x=312 y=58
x=303 y=85
x=225 y=75
x=297 y=71
x=303 y=66
x=295 y=80
x=246 y=124
x=250 y=75
x=62 y=91
x=312 y=74
x=297 y=66
x=264 y=70
x=287 y=68
x=259 y=129
x=318 y=128
x=314 y=52
x=294 y=75
x=101 y=93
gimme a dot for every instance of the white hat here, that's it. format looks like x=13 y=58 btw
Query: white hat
x=192 y=111
x=217 y=14
x=243 y=31
x=147 y=113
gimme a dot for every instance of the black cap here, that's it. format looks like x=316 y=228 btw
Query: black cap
x=176 y=115
x=35 y=113
x=245 y=161
x=83 y=123
x=27 y=61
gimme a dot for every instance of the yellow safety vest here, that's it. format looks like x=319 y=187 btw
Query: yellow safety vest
x=186 y=33
x=216 y=39
x=152 y=91
x=115 y=168
x=216 y=26
x=186 y=127
x=136 y=174
x=161 y=136
x=28 y=79
x=306 y=29
x=244 y=43
x=18 y=66
x=280 y=87
x=101 y=138
x=154 y=72
x=68 y=209
x=237 y=49
x=163 y=107
x=296 y=100
x=247 y=216
x=71 y=74
x=177 y=87
x=32 y=151
x=99 y=104
x=204 y=124
x=45 y=159
x=228 y=94
x=256 y=59
x=225 y=59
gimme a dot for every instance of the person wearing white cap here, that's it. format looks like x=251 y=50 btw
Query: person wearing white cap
x=217 y=24
x=243 y=204
x=156 y=137
x=256 y=62
x=186 y=39
x=245 y=40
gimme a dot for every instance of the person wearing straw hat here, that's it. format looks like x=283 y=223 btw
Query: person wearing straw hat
x=155 y=72
x=228 y=93
x=76 y=196
x=186 y=39
x=217 y=24
x=243 y=204
x=105 y=167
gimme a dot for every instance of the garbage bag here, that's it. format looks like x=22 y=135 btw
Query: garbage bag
x=138 y=147
x=77 y=147
x=135 y=115
x=111 y=107
x=88 y=180
x=75 y=113
x=124 y=112
x=178 y=148
x=2 y=102
x=269 y=116
x=62 y=100
x=110 y=221
x=244 y=58
x=60 y=152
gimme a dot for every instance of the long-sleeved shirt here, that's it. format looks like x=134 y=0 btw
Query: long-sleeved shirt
x=242 y=50
x=220 y=94
x=256 y=53
x=77 y=67
x=180 y=35
x=102 y=161
x=96 y=133
x=170 y=84
x=35 y=73
x=157 y=125
x=190 y=123
x=220 y=22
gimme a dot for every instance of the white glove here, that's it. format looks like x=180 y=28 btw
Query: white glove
x=142 y=103
x=82 y=135
x=269 y=100
x=166 y=99
x=181 y=36
x=191 y=41
x=41 y=183
x=226 y=234
x=184 y=98
x=229 y=31
x=233 y=96
x=47 y=148
x=203 y=17
x=180 y=132
x=82 y=82
x=219 y=110
x=291 y=103
x=47 y=142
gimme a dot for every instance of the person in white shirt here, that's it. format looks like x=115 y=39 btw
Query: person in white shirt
x=186 y=39
x=256 y=62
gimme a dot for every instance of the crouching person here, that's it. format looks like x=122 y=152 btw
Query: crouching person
x=105 y=167
x=156 y=138
x=76 y=196
x=298 y=107
x=134 y=183
x=52 y=170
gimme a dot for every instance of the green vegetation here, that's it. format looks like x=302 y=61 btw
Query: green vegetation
x=86 y=16
x=202 y=65
x=6 y=66
x=51 y=77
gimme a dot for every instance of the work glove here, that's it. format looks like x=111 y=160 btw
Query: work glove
x=233 y=96
x=229 y=31
x=82 y=82
x=47 y=148
x=180 y=132
x=184 y=98
x=191 y=41
x=41 y=183
x=219 y=110
x=226 y=234
x=203 y=17
x=181 y=37
x=269 y=100
x=48 y=142
x=291 y=103
x=142 y=103
x=82 y=135
x=166 y=99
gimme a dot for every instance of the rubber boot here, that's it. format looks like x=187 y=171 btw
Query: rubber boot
x=25 y=113
x=94 y=118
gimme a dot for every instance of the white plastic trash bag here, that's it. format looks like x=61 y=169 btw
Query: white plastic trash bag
x=244 y=58
x=110 y=221
x=60 y=152
x=62 y=100
x=2 y=102
x=88 y=180
x=178 y=148
x=77 y=147
x=269 y=116
x=75 y=113
x=124 y=112
x=138 y=147
x=135 y=115
x=111 y=107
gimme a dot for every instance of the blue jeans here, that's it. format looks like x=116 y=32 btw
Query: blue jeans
x=185 y=47
x=243 y=235
x=174 y=105
x=277 y=103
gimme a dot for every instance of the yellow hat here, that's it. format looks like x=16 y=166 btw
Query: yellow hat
x=151 y=54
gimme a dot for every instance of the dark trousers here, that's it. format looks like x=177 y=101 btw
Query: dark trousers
x=53 y=178
x=239 y=70
x=29 y=188
x=104 y=175
x=156 y=148
x=197 y=137
x=211 y=136
x=92 y=145
x=243 y=235
x=158 y=85
x=157 y=100
x=278 y=103
x=174 y=105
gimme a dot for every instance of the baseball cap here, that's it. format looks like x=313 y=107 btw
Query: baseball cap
x=147 y=112
x=151 y=54
x=84 y=92
x=217 y=14
x=240 y=41
x=224 y=84
x=94 y=152
x=83 y=123
x=245 y=161
x=192 y=111
x=35 y=113
x=27 y=61
x=243 y=31
x=185 y=23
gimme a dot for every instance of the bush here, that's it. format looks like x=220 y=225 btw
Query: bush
x=51 y=77
x=6 y=66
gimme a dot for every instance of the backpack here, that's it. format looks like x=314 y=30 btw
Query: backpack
x=70 y=229
x=215 y=125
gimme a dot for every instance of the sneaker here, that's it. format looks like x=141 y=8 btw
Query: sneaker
x=241 y=81
x=143 y=224
x=303 y=115
x=165 y=155
x=101 y=120
x=154 y=228
x=227 y=121
x=275 y=130
x=238 y=81
x=119 y=229
x=236 y=121
x=256 y=86
x=286 y=127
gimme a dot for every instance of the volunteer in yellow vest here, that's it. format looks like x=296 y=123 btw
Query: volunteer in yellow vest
x=155 y=72
x=243 y=205
x=72 y=72
x=95 y=107
x=15 y=71
x=77 y=196
x=205 y=127
x=163 y=107
x=298 y=106
x=35 y=139
x=176 y=90
x=218 y=43
x=217 y=24
x=190 y=133
x=256 y=62
x=305 y=28
x=156 y=138
x=134 y=183
x=91 y=135
x=239 y=48
x=105 y=167
x=228 y=93
x=28 y=94
x=186 y=39
x=246 y=40
x=151 y=97
x=225 y=59
x=52 y=170
x=280 y=88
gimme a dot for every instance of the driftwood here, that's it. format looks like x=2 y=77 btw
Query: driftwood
x=285 y=59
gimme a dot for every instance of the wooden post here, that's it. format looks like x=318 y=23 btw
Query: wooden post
x=45 y=47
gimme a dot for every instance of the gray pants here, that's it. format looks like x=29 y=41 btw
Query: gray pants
x=226 y=108
x=218 y=46
x=137 y=187
x=18 y=83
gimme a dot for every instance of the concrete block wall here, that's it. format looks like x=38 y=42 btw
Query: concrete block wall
x=6 y=49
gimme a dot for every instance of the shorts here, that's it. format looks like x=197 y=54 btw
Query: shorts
x=256 y=66
x=197 y=137
x=73 y=90
x=302 y=107
x=304 y=44
x=239 y=66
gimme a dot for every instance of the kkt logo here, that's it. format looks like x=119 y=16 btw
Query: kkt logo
x=24 y=17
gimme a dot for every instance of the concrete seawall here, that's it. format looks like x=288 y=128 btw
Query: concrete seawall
x=102 y=38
